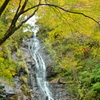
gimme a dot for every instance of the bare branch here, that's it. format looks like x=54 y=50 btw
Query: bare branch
x=16 y=16
x=26 y=19
x=74 y=12
x=24 y=5
x=13 y=29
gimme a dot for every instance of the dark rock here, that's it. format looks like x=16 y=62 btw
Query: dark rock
x=58 y=91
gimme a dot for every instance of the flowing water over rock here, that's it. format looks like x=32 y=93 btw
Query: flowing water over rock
x=40 y=68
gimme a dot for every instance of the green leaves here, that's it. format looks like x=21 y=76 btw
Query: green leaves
x=96 y=87
x=74 y=39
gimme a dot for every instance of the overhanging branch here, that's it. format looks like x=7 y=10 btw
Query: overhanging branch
x=21 y=11
x=26 y=19
x=74 y=12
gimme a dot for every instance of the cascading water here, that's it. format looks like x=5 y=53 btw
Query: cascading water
x=40 y=67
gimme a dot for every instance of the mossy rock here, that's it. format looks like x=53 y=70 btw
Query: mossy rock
x=22 y=66
x=24 y=79
x=25 y=90
x=14 y=97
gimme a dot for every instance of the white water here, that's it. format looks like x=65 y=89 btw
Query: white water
x=34 y=48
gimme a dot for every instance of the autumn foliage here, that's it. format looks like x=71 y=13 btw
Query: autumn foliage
x=74 y=42
x=70 y=30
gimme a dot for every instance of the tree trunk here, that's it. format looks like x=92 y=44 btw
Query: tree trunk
x=2 y=8
x=8 y=34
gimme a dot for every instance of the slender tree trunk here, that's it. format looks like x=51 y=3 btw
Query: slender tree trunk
x=8 y=34
x=2 y=8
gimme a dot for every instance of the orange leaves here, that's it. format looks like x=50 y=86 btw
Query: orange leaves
x=86 y=50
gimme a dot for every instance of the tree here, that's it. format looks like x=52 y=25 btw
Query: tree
x=22 y=8
x=74 y=42
x=4 y=6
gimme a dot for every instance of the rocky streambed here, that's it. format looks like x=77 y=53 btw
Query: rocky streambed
x=26 y=88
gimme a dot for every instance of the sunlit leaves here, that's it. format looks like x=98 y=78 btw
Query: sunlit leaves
x=7 y=68
x=66 y=23
x=75 y=41
x=7 y=65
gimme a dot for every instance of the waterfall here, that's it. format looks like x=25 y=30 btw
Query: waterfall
x=40 y=68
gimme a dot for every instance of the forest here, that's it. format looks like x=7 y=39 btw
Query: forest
x=70 y=32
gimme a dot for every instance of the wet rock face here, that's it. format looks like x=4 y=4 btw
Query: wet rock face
x=48 y=61
x=6 y=91
x=58 y=91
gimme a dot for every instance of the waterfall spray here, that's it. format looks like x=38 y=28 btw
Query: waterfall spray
x=40 y=68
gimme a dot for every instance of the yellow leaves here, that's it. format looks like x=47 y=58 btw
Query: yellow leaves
x=12 y=71
x=1 y=59
x=5 y=73
x=96 y=52
x=96 y=34
x=68 y=62
x=7 y=69
x=84 y=0
x=79 y=67
x=1 y=2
